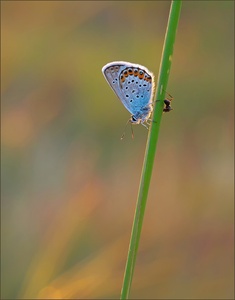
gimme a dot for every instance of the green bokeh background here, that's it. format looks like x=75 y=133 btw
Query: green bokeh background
x=69 y=185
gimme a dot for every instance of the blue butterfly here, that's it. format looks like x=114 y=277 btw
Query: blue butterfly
x=135 y=87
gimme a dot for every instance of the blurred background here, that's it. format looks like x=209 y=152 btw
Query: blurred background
x=69 y=185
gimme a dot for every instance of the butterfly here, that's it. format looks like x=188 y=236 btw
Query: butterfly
x=134 y=85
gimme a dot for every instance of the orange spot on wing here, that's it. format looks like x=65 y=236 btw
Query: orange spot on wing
x=148 y=79
x=122 y=78
x=130 y=71
x=125 y=73
x=141 y=75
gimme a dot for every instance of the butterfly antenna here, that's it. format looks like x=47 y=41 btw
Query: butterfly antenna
x=132 y=132
x=124 y=132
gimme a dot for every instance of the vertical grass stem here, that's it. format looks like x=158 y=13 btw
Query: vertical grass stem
x=151 y=145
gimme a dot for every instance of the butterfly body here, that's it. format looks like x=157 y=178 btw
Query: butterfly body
x=134 y=85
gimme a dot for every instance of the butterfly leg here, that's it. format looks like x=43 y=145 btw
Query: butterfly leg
x=145 y=125
x=150 y=120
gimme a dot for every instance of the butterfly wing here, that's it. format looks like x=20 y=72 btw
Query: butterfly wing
x=132 y=83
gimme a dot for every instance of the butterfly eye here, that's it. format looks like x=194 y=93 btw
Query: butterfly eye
x=133 y=119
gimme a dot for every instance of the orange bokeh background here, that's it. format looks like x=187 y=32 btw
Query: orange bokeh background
x=69 y=185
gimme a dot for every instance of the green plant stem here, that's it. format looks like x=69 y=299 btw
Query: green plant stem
x=151 y=145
